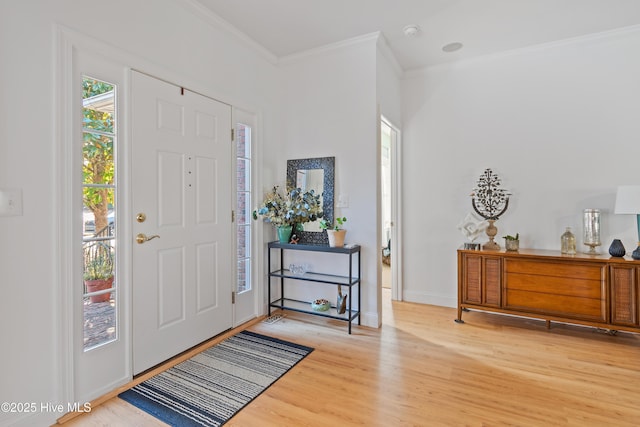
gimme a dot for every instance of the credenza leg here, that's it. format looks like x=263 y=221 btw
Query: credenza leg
x=459 y=319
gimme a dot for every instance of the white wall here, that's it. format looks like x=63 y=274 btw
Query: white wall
x=388 y=84
x=559 y=124
x=329 y=109
x=178 y=46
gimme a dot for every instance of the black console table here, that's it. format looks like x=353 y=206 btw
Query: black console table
x=350 y=280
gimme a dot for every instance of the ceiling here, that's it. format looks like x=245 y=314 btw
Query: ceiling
x=286 y=27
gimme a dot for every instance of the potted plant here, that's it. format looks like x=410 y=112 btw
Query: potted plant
x=98 y=275
x=335 y=232
x=288 y=210
x=512 y=243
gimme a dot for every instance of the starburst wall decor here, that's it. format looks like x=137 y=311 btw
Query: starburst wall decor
x=490 y=202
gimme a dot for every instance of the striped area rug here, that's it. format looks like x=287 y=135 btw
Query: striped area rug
x=211 y=387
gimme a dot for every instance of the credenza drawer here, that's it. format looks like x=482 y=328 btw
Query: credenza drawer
x=552 y=285
x=563 y=269
x=556 y=305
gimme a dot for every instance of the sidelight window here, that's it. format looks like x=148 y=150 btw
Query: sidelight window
x=243 y=206
x=99 y=220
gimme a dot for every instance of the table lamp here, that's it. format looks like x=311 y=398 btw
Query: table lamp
x=628 y=202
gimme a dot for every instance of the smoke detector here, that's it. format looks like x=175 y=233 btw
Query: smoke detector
x=411 y=30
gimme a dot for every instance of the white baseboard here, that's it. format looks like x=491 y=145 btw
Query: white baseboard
x=424 y=298
x=371 y=320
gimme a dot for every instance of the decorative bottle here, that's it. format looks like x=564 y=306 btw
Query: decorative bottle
x=568 y=242
x=617 y=249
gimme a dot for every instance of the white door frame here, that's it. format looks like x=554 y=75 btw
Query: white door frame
x=74 y=59
x=247 y=306
x=396 y=210
x=69 y=42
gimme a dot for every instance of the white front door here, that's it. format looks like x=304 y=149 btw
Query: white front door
x=181 y=193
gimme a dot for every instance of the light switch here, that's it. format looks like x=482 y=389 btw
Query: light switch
x=10 y=201
x=343 y=201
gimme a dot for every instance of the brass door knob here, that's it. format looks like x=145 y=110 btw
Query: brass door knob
x=141 y=238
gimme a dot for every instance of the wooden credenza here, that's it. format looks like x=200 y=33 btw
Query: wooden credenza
x=592 y=290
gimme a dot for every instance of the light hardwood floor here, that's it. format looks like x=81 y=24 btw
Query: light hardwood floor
x=422 y=369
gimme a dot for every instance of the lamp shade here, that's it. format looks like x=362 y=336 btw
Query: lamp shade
x=628 y=200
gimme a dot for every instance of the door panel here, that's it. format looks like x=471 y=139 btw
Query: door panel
x=171 y=287
x=206 y=298
x=206 y=172
x=181 y=180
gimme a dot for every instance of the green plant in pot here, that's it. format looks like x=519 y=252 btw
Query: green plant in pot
x=335 y=232
x=512 y=243
x=98 y=275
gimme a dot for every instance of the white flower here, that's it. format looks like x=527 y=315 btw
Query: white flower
x=471 y=228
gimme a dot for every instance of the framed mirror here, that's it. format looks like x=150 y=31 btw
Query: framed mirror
x=314 y=174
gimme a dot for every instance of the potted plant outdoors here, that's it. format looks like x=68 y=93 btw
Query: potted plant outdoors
x=512 y=243
x=287 y=211
x=98 y=275
x=335 y=232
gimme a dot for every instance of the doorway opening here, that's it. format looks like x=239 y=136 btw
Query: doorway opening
x=389 y=197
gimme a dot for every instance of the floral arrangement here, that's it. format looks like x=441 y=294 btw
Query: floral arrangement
x=290 y=208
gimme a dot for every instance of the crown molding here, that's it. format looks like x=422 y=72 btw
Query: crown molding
x=587 y=38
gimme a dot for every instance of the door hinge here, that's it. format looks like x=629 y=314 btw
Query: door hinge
x=233 y=297
x=233 y=134
x=233 y=216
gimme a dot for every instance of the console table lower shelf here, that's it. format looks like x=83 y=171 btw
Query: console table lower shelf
x=303 y=307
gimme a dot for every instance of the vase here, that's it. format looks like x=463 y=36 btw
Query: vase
x=568 y=242
x=636 y=254
x=341 y=306
x=284 y=233
x=491 y=231
x=617 y=249
x=591 y=221
x=511 y=245
x=336 y=238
